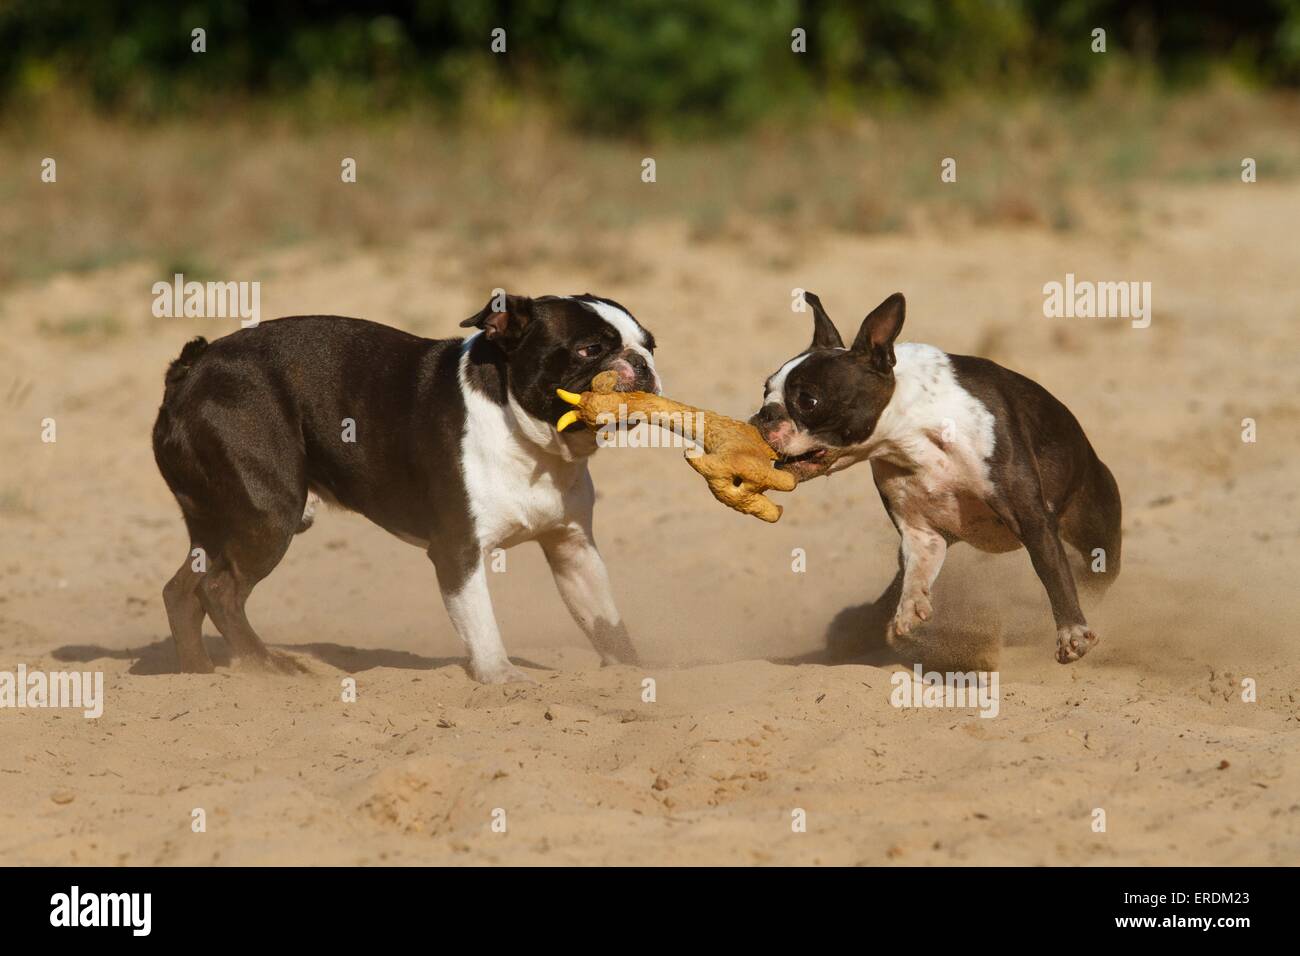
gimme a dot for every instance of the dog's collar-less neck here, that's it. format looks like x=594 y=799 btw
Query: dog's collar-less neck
x=528 y=429
x=484 y=370
x=892 y=432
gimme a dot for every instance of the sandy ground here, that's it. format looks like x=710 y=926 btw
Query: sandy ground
x=751 y=721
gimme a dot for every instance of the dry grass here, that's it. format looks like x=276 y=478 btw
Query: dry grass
x=189 y=194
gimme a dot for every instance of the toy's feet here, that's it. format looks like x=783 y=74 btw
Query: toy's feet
x=1073 y=642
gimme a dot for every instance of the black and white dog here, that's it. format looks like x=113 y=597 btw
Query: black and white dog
x=961 y=449
x=447 y=444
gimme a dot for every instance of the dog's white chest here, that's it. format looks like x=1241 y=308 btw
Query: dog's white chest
x=507 y=508
x=932 y=451
x=515 y=491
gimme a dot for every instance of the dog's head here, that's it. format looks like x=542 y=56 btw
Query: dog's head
x=555 y=342
x=824 y=403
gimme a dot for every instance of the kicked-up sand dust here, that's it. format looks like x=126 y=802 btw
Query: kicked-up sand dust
x=752 y=719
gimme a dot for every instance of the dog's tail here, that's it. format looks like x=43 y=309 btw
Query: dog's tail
x=180 y=365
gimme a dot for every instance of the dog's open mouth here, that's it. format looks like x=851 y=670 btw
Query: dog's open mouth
x=812 y=457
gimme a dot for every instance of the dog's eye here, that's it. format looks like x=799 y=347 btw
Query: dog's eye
x=591 y=351
x=805 y=401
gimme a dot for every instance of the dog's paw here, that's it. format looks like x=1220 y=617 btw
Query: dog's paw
x=912 y=610
x=1073 y=642
x=503 y=673
x=274 y=662
x=287 y=663
x=615 y=660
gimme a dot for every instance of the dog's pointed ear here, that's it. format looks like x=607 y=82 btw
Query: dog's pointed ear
x=825 y=335
x=879 y=329
x=504 y=319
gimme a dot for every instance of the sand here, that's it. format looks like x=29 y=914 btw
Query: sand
x=751 y=722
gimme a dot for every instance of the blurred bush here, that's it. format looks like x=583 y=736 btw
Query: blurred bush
x=632 y=66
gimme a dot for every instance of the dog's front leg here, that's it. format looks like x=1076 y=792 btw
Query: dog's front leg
x=583 y=583
x=469 y=605
x=923 y=550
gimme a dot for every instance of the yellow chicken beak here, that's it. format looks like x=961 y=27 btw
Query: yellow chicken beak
x=567 y=419
x=570 y=397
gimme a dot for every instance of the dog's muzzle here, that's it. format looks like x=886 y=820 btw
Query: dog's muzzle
x=774 y=425
x=635 y=373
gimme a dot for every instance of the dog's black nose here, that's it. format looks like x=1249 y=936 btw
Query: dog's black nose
x=643 y=373
x=767 y=415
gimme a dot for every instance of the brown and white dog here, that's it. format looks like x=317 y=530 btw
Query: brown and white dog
x=961 y=449
x=448 y=444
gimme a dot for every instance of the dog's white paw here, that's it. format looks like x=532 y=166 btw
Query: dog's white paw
x=912 y=610
x=502 y=673
x=1073 y=642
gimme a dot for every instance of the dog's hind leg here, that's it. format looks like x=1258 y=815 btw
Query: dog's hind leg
x=185 y=617
x=1040 y=533
x=224 y=591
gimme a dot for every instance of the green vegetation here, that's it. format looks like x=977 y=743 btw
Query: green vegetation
x=83 y=328
x=619 y=66
x=185 y=160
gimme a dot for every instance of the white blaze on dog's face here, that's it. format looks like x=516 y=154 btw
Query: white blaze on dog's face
x=564 y=342
x=824 y=403
x=637 y=358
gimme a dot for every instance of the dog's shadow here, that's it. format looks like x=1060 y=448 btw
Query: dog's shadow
x=156 y=658
x=856 y=635
x=160 y=656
